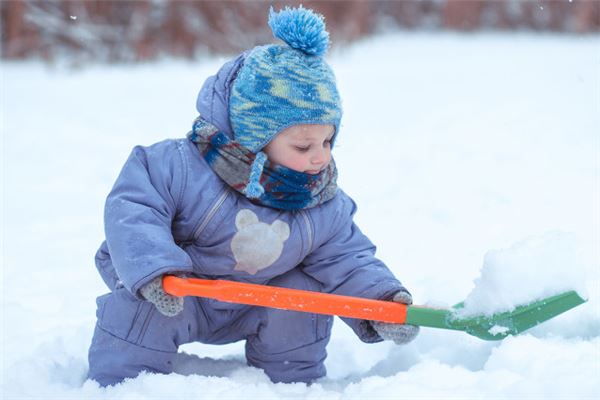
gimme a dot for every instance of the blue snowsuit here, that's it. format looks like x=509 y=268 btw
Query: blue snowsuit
x=169 y=213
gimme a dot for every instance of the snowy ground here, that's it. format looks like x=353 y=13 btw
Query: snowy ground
x=451 y=145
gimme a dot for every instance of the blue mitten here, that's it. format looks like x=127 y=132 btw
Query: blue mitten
x=399 y=333
x=165 y=303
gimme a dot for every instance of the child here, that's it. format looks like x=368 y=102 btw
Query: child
x=250 y=195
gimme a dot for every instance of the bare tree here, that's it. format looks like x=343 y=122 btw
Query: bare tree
x=110 y=30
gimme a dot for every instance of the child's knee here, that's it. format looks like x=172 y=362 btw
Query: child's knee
x=284 y=330
x=290 y=361
x=291 y=346
x=139 y=323
x=291 y=329
x=122 y=345
x=112 y=359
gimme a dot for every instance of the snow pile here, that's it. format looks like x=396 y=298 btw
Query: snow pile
x=498 y=330
x=532 y=269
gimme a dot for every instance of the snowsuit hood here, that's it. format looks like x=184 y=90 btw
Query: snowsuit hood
x=213 y=99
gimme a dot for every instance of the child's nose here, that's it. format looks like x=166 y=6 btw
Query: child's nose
x=320 y=157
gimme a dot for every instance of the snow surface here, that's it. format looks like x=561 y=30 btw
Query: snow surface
x=451 y=145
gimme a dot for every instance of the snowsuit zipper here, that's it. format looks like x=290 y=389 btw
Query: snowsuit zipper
x=211 y=213
x=321 y=322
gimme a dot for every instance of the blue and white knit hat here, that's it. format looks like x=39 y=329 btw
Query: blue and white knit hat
x=283 y=85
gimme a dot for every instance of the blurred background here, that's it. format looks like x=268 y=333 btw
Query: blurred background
x=131 y=31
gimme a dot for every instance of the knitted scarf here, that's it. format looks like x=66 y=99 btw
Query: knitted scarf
x=256 y=178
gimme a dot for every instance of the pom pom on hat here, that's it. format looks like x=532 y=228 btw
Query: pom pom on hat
x=301 y=29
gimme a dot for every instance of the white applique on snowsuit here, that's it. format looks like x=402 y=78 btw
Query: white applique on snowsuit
x=257 y=245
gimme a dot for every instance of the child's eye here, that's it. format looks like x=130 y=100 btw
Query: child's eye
x=302 y=149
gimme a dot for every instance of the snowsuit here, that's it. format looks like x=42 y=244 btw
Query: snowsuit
x=169 y=213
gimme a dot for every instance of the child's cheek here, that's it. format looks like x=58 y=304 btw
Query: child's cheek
x=300 y=163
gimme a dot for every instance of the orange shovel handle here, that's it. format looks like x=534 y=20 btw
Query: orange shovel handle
x=287 y=299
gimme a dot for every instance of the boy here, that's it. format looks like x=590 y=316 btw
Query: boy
x=250 y=195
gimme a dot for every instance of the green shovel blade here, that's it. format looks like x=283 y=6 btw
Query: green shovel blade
x=496 y=326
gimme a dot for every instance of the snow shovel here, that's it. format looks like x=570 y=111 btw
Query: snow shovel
x=487 y=327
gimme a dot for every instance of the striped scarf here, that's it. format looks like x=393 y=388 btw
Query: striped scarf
x=256 y=178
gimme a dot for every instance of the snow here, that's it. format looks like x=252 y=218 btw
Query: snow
x=498 y=330
x=533 y=269
x=451 y=145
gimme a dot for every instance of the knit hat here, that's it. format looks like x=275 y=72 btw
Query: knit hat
x=280 y=85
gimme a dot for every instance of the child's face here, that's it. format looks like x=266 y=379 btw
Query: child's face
x=303 y=148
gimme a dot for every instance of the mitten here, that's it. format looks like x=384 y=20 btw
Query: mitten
x=399 y=333
x=165 y=303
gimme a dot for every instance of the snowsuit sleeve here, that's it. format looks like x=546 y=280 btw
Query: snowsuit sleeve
x=345 y=264
x=139 y=213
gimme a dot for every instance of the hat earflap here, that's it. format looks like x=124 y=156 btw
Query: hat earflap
x=254 y=189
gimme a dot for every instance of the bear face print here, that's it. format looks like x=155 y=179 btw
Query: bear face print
x=257 y=245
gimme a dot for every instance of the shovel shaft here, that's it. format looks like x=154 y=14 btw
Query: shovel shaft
x=287 y=299
x=487 y=327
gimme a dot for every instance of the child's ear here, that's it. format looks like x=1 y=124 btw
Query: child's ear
x=281 y=229
x=245 y=218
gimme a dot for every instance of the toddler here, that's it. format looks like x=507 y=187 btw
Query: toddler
x=249 y=195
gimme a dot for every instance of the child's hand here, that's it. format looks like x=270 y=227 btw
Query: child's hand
x=399 y=333
x=166 y=304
